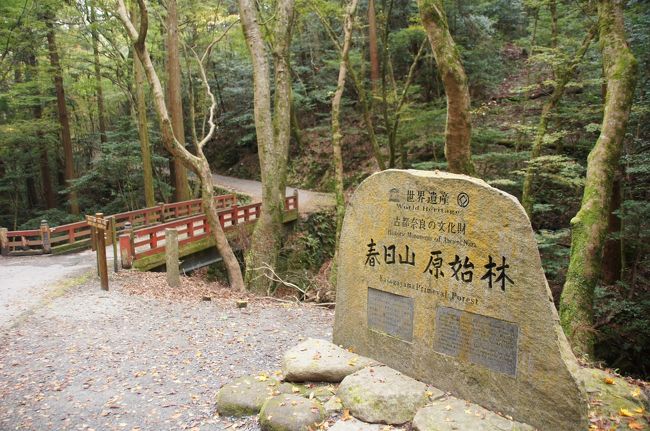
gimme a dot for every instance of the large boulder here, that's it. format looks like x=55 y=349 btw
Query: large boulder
x=452 y=414
x=245 y=396
x=382 y=395
x=288 y=412
x=316 y=360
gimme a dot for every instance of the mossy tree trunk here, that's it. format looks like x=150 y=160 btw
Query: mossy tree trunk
x=589 y=226
x=273 y=129
x=373 y=50
x=363 y=97
x=337 y=136
x=143 y=126
x=458 y=129
x=613 y=250
x=197 y=163
x=563 y=78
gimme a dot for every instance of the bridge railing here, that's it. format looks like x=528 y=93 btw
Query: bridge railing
x=150 y=241
x=22 y=240
x=74 y=236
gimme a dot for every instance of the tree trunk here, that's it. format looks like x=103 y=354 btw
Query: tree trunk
x=198 y=163
x=143 y=132
x=590 y=224
x=44 y=162
x=458 y=127
x=612 y=253
x=336 y=123
x=62 y=111
x=273 y=133
x=563 y=78
x=372 y=46
x=101 y=112
x=175 y=100
x=361 y=92
x=552 y=7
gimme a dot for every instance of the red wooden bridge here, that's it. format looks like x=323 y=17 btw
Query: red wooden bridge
x=142 y=232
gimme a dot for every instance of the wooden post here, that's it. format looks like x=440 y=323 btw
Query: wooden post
x=127 y=251
x=4 y=242
x=234 y=215
x=162 y=211
x=93 y=238
x=45 y=237
x=114 y=242
x=295 y=193
x=101 y=253
x=171 y=257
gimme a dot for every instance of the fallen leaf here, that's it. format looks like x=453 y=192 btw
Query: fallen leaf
x=346 y=415
x=639 y=410
x=636 y=393
x=634 y=425
x=262 y=377
x=625 y=412
x=609 y=381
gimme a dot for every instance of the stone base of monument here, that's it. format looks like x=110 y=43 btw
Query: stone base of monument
x=371 y=395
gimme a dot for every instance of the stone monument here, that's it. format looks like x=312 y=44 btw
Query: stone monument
x=439 y=276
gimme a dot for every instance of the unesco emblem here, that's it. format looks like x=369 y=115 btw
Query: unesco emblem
x=462 y=199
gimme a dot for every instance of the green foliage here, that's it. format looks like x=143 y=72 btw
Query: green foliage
x=558 y=189
x=623 y=338
x=554 y=248
x=54 y=217
x=114 y=183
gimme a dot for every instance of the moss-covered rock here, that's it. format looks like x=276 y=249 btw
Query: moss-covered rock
x=290 y=413
x=451 y=414
x=245 y=396
x=333 y=405
x=611 y=395
x=382 y=395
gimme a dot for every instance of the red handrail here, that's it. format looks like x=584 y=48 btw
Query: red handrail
x=79 y=231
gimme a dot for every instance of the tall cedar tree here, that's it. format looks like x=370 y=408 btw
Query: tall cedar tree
x=589 y=226
x=273 y=128
x=62 y=111
x=458 y=128
x=175 y=100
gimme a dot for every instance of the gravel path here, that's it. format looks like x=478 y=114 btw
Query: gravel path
x=99 y=360
x=309 y=201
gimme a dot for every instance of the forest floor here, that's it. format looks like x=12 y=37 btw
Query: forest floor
x=309 y=201
x=141 y=356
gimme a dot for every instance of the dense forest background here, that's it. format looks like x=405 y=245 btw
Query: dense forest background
x=516 y=54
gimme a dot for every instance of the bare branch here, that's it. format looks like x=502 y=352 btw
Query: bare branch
x=208 y=50
x=144 y=24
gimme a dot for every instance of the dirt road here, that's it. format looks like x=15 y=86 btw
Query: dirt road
x=309 y=201
x=96 y=360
